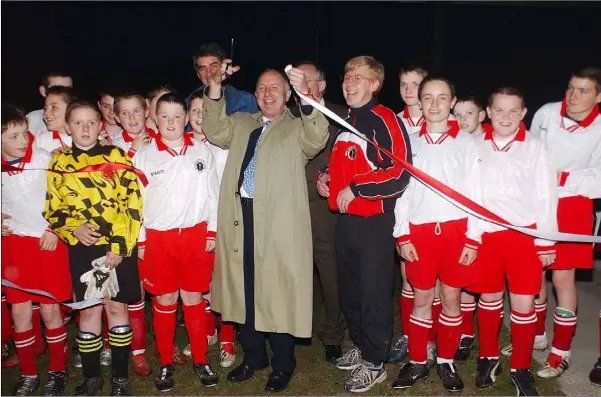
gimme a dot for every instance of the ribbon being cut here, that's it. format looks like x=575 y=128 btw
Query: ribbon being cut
x=449 y=194
x=439 y=188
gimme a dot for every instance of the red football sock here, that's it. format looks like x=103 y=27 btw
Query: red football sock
x=163 y=321
x=436 y=309
x=406 y=303
x=489 y=323
x=226 y=332
x=563 y=331
x=24 y=342
x=523 y=329
x=449 y=334
x=36 y=320
x=467 y=319
x=136 y=322
x=195 y=318
x=541 y=316
x=7 y=322
x=105 y=329
x=600 y=333
x=209 y=319
x=57 y=348
x=418 y=339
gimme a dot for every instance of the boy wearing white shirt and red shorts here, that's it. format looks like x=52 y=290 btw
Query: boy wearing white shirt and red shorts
x=180 y=220
x=517 y=182
x=32 y=256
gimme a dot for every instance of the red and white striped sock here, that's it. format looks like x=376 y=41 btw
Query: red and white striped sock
x=24 y=342
x=541 y=316
x=523 y=329
x=489 y=323
x=406 y=303
x=418 y=339
x=449 y=335
x=136 y=323
x=436 y=309
x=467 y=321
x=57 y=349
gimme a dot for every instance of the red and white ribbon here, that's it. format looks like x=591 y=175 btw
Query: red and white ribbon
x=451 y=195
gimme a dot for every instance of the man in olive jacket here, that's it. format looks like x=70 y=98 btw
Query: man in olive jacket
x=263 y=275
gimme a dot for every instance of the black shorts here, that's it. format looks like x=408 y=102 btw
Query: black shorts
x=80 y=262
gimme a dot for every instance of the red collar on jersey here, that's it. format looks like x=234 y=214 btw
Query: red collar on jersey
x=162 y=147
x=57 y=137
x=588 y=120
x=519 y=137
x=452 y=132
x=28 y=153
x=486 y=128
x=407 y=117
x=129 y=139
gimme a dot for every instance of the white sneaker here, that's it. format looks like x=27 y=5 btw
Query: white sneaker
x=226 y=359
x=547 y=371
x=187 y=351
x=350 y=360
x=540 y=343
x=212 y=339
x=365 y=377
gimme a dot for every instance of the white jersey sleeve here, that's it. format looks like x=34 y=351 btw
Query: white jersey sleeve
x=24 y=196
x=36 y=122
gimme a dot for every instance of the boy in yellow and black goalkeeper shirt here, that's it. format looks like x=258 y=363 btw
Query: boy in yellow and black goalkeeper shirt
x=97 y=214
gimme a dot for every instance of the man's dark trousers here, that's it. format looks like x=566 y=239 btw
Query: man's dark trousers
x=365 y=255
x=253 y=341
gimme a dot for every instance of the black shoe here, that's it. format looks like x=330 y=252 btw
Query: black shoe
x=488 y=370
x=409 y=374
x=26 y=386
x=450 y=377
x=164 y=379
x=332 y=353
x=243 y=372
x=88 y=386
x=464 y=349
x=56 y=384
x=595 y=375
x=120 y=387
x=278 y=381
x=524 y=382
x=207 y=377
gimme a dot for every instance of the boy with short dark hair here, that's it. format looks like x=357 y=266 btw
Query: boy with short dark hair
x=182 y=173
x=32 y=256
x=110 y=127
x=469 y=113
x=98 y=215
x=516 y=181
x=131 y=109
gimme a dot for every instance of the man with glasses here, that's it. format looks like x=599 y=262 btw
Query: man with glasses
x=323 y=222
x=207 y=61
x=364 y=184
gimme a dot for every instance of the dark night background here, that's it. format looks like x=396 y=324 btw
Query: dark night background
x=479 y=46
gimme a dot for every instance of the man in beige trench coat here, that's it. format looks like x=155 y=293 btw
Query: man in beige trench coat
x=263 y=275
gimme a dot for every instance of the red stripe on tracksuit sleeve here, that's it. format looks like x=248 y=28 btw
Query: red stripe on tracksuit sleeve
x=390 y=179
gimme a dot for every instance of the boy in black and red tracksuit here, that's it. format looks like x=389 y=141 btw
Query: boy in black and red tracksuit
x=364 y=184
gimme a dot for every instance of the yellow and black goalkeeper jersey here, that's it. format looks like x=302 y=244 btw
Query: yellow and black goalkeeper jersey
x=110 y=200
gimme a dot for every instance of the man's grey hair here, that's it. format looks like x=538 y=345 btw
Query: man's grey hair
x=286 y=82
x=320 y=75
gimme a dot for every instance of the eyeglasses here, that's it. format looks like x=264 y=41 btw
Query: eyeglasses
x=356 y=79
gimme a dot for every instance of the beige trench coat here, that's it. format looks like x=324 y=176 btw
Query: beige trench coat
x=282 y=225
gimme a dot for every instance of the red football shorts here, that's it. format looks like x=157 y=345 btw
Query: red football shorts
x=25 y=265
x=574 y=215
x=507 y=254
x=438 y=249
x=177 y=260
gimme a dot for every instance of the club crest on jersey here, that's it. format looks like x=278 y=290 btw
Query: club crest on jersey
x=200 y=165
x=351 y=153
x=109 y=175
